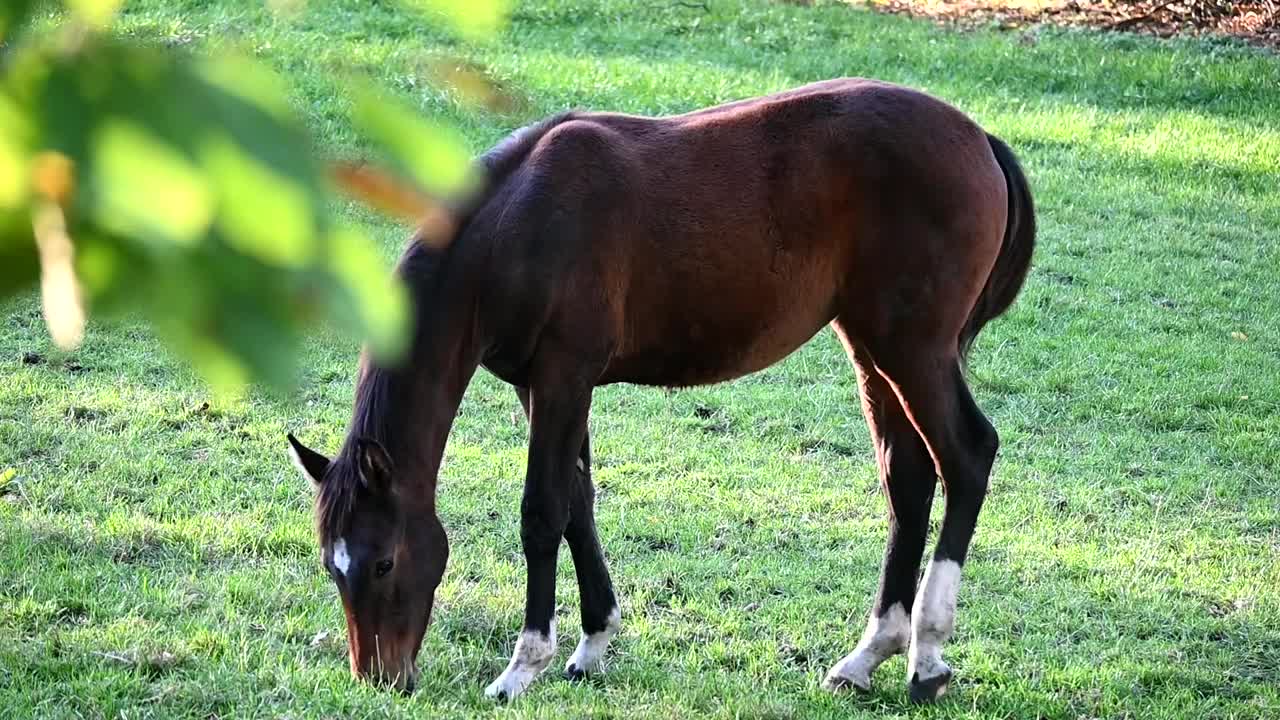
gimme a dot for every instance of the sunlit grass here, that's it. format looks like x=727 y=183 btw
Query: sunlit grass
x=156 y=556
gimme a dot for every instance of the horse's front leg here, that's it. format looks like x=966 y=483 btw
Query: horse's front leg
x=601 y=617
x=558 y=427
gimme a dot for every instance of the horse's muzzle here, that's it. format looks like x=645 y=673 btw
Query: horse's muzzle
x=401 y=677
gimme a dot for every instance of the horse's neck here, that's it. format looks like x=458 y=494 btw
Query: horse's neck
x=410 y=408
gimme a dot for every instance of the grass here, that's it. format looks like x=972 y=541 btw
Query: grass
x=156 y=548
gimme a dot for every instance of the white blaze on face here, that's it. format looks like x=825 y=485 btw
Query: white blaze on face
x=341 y=560
x=885 y=636
x=933 y=620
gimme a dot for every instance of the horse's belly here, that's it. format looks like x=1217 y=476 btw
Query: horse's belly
x=710 y=309
x=701 y=349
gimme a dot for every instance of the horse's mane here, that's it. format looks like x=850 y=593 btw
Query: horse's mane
x=500 y=160
x=378 y=395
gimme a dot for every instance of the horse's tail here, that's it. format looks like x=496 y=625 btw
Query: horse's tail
x=1014 y=259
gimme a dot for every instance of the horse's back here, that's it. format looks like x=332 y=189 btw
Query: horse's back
x=721 y=240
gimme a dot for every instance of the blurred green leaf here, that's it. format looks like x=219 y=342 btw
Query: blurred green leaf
x=431 y=154
x=251 y=83
x=145 y=187
x=192 y=194
x=186 y=188
x=97 y=13
x=100 y=265
x=19 y=264
x=13 y=13
x=472 y=18
x=379 y=307
x=474 y=85
x=263 y=212
x=272 y=202
x=14 y=156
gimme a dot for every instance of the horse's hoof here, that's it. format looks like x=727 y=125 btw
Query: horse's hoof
x=501 y=692
x=839 y=684
x=925 y=691
x=573 y=673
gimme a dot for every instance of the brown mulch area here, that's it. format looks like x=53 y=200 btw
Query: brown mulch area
x=1254 y=21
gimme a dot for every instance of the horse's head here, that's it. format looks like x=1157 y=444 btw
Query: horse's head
x=384 y=548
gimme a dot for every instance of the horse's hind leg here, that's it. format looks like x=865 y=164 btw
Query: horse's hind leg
x=601 y=618
x=600 y=615
x=962 y=443
x=908 y=477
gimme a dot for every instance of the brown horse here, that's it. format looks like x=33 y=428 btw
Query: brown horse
x=683 y=251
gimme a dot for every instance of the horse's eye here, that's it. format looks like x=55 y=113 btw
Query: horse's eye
x=383 y=567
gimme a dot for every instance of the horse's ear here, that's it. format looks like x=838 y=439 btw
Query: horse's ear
x=310 y=463
x=374 y=465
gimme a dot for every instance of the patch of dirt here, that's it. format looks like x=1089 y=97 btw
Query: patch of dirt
x=150 y=663
x=84 y=414
x=1254 y=21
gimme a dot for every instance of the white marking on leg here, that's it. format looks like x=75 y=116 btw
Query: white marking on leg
x=885 y=636
x=341 y=560
x=532 y=655
x=932 y=621
x=589 y=654
x=582 y=467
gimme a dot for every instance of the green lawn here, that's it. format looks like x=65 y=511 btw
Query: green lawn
x=157 y=557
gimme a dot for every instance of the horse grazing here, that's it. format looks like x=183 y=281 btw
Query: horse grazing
x=681 y=251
